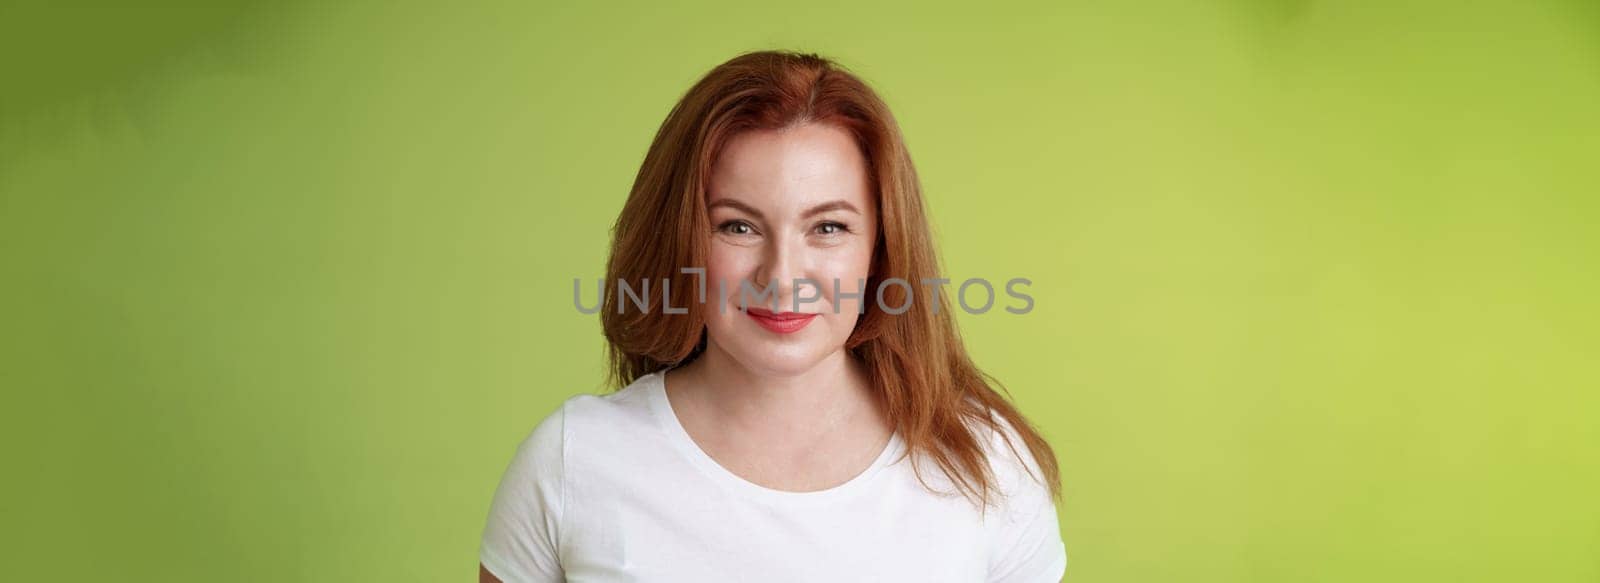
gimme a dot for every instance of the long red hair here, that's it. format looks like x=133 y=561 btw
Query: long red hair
x=936 y=397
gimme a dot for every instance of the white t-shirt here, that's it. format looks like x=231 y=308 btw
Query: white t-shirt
x=611 y=488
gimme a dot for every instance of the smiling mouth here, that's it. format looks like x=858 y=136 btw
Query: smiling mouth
x=780 y=322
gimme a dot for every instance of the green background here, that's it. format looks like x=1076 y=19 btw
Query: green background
x=285 y=283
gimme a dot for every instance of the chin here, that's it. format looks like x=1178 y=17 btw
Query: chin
x=779 y=357
x=785 y=360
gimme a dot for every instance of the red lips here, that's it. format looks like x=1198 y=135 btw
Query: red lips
x=780 y=322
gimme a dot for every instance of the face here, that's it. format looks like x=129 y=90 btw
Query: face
x=787 y=205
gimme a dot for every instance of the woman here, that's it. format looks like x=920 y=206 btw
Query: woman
x=784 y=414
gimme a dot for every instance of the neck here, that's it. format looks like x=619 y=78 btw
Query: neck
x=786 y=407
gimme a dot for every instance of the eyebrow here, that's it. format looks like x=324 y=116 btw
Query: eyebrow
x=832 y=205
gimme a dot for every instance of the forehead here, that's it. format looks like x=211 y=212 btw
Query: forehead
x=790 y=168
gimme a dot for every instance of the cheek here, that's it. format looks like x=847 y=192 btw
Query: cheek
x=850 y=267
x=729 y=265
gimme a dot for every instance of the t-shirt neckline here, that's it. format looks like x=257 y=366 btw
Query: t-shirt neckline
x=661 y=407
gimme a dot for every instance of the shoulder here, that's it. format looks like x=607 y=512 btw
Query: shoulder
x=527 y=519
x=1009 y=457
x=588 y=415
x=551 y=434
x=1024 y=530
x=582 y=418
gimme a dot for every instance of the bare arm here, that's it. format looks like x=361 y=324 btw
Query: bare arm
x=484 y=576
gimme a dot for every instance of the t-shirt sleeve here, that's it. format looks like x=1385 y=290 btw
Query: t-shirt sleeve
x=521 y=539
x=1026 y=532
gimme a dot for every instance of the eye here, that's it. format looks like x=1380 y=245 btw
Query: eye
x=831 y=228
x=736 y=227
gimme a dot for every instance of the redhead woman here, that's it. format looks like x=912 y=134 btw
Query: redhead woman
x=791 y=403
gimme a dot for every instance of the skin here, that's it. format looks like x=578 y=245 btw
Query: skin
x=791 y=412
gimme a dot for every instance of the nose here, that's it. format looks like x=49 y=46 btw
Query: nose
x=785 y=266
